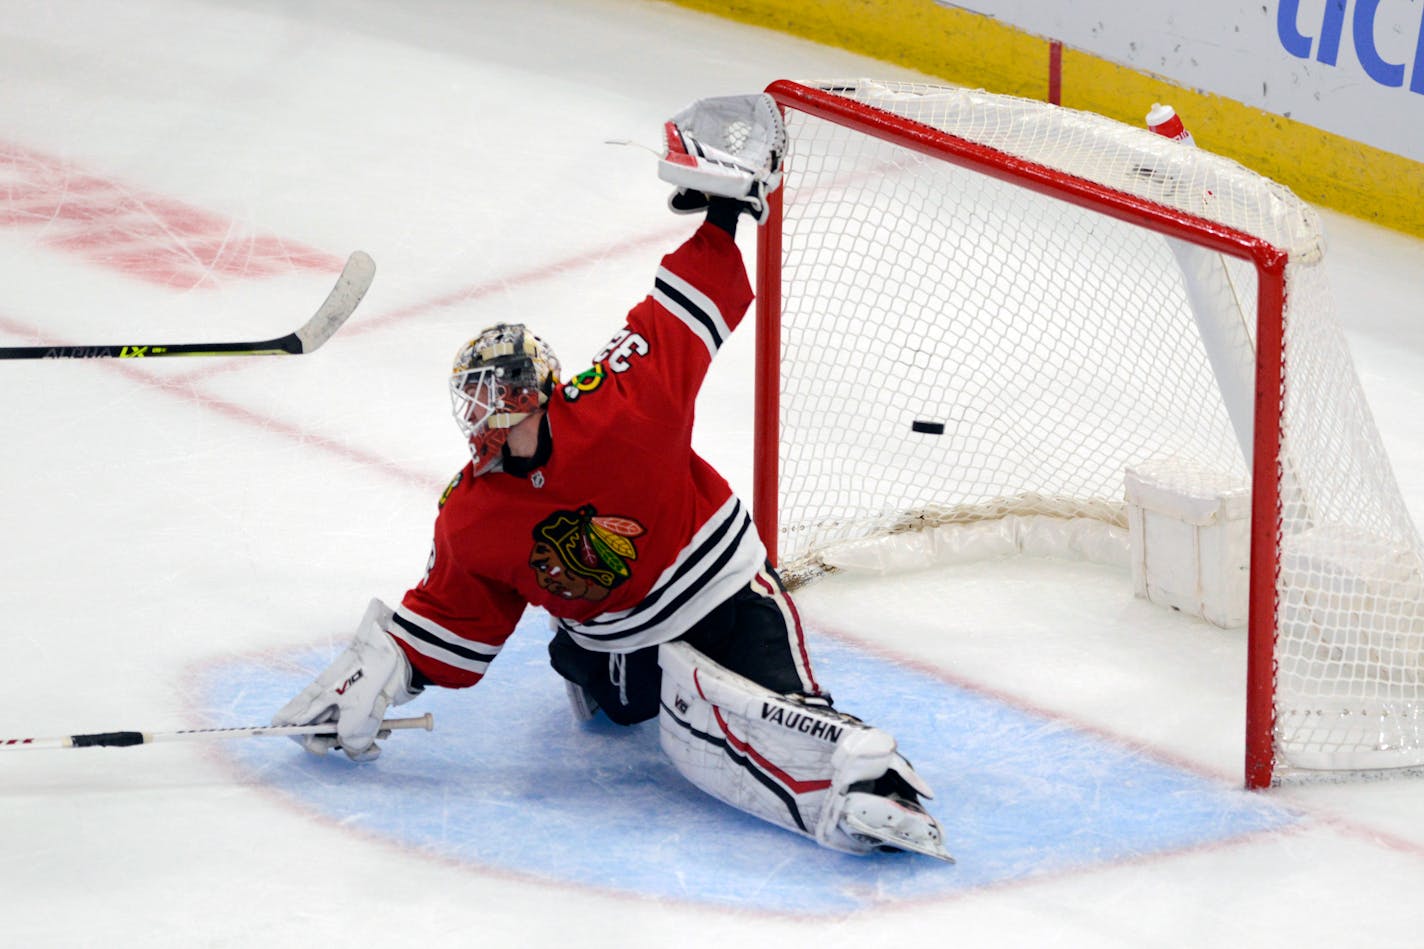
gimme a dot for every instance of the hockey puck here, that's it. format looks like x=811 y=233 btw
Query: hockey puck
x=927 y=427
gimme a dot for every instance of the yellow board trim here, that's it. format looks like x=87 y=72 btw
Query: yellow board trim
x=974 y=50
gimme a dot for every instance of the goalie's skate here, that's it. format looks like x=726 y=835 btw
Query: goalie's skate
x=893 y=822
x=581 y=703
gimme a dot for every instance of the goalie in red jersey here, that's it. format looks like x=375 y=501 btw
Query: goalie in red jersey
x=584 y=498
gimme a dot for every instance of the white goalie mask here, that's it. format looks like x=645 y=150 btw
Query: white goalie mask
x=499 y=379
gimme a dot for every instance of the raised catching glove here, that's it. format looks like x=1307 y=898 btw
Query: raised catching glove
x=729 y=147
x=354 y=691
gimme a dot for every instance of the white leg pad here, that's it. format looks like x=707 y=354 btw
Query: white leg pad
x=786 y=762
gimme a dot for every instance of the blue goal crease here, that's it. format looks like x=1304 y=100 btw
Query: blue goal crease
x=509 y=780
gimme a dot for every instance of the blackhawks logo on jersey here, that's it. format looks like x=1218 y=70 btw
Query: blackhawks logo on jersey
x=584 y=382
x=582 y=555
x=450 y=488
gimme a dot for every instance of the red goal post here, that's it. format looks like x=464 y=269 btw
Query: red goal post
x=934 y=250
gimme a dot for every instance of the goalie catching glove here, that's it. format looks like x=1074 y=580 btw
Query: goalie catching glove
x=354 y=691
x=729 y=147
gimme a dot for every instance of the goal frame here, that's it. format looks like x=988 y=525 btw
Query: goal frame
x=1268 y=260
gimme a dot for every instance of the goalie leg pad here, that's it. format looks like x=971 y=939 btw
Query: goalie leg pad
x=788 y=762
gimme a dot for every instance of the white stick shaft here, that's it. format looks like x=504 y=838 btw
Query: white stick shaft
x=121 y=739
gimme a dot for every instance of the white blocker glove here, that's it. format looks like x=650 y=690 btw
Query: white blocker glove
x=354 y=691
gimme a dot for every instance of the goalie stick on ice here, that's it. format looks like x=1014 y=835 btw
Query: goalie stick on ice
x=350 y=287
x=123 y=739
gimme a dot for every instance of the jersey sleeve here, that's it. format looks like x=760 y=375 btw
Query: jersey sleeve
x=450 y=650
x=700 y=295
x=453 y=623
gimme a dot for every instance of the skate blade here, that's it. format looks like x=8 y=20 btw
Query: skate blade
x=581 y=704
x=930 y=843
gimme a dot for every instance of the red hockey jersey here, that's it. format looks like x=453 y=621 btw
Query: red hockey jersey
x=622 y=533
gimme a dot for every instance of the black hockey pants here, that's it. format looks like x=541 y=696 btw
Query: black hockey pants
x=753 y=633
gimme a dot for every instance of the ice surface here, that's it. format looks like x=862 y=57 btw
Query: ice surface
x=184 y=541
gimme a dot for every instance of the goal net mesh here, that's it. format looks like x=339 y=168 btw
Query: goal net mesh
x=1057 y=346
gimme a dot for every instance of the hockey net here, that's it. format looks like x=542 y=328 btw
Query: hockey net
x=1056 y=298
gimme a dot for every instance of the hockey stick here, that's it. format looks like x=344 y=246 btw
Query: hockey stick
x=122 y=739
x=350 y=287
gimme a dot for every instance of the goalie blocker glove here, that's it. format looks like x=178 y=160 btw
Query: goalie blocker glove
x=371 y=675
x=729 y=147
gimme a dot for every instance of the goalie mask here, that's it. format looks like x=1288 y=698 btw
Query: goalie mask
x=499 y=379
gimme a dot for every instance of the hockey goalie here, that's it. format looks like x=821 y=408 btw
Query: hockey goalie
x=583 y=497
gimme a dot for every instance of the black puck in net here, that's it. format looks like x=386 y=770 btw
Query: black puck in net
x=927 y=427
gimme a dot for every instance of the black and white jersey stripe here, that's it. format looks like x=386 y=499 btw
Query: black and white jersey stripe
x=720 y=559
x=435 y=642
x=694 y=308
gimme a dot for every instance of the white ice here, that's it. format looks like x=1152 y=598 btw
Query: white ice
x=161 y=519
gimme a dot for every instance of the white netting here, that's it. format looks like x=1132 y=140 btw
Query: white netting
x=1058 y=346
